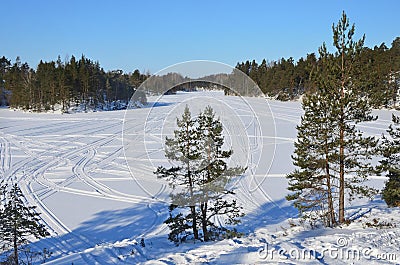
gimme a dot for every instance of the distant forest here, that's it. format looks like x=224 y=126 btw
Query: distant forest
x=285 y=79
x=65 y=84
x=83 y=82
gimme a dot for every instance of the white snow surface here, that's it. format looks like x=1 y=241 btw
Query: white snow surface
x=98 y=205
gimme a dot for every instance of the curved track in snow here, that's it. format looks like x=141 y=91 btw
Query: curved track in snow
x=41 y=155
x=82 y=155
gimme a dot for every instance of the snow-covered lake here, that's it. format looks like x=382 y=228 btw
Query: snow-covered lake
x=91 y=176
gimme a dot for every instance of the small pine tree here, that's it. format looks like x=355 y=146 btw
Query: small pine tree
x=18 y=222
x=391 y=163
x=200 y=181
x=215 y=174
x=184 y=149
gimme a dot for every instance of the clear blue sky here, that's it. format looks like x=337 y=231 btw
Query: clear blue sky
x=151 y=35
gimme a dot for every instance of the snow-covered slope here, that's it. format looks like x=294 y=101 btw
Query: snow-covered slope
x=99 y=205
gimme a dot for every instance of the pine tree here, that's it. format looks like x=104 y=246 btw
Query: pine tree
x=200 y=181
x=215 y=174
x=19 y=222
x=312 y=182
x=83 y=74
x=346 y=151
x=184 y=149
x=61 y=79
x=18 y=82
x=178 y=224
x=355 y=151
x=391 y=163
x=4 y=66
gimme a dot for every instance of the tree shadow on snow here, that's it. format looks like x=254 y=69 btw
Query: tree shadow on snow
x=156 y=104
x=102 y=232
x=94 y=240
x=269 y=215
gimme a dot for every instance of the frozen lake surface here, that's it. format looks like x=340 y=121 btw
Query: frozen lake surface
x=91 y=176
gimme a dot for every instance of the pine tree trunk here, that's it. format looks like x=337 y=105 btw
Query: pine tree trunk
x=204 y=221
x=194 y=225
x=341 y=178
x=192 y=207
x=331 y=210
x=15 y=245
x=341 y=146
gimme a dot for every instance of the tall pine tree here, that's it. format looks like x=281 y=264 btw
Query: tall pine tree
x=346 y=151
x=312 y=183
x=355 y=150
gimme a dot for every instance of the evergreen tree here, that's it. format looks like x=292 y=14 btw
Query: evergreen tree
x=184 y=149
x=312 y=183
x=200 y=181
x=355 y=151
x=346 y=152
x=17 y=81
x=378 y=75
x=18 y=222
x=83 y=74
x=46 y=85
x=4 y=67
x=215 y=175
x=391 y=163
x=62 y=86
x=83 y=82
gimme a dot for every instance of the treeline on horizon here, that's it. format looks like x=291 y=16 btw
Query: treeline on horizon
x=84 y=82
x=285 y=79
x=75 y=82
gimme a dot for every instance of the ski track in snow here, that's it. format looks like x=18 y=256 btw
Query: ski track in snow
x=32 y=169
x=79 y=144
x=5 y=156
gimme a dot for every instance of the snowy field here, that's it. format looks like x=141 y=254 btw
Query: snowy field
x=90 y=174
